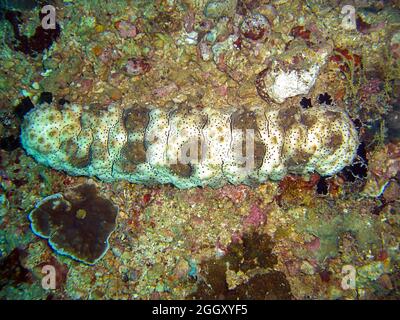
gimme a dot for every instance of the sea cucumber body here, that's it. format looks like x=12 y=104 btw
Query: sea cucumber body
x=190 y=147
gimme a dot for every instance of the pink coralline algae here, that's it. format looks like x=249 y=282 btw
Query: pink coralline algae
x=236 y=194
x=166 y=90
x=108 y=55
x=85 y=85
x=372 y=87
x=256 y=217
x=314 y=244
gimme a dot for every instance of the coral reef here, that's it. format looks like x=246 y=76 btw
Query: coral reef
x=77 y=224
x=124 y=64
x=384 y=165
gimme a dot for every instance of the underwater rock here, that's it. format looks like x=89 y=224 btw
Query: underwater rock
x=384 y=164
x=190 y=147
x=392 y=121
x=300 y=32
x=245 y=258
x=255 y=27
x=205 y=51
x=293 y=73
x=9 y=130
x=220 y=48
x=395 y=45
x=137 y=66
x=126 y=29
x=392 y=192
x=77 y=223
x=220 y=8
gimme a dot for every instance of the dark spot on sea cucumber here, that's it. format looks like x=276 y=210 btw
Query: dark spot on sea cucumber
x=324 y=98
x=136 y=119
x=182 y=170
x=306 y=103
x=132 y=154
x=71 y=148
x=247 y=120
x=287 y=117
x=335 y=141
x=308 y=120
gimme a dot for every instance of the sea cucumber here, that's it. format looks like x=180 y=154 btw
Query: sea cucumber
x=190 y=146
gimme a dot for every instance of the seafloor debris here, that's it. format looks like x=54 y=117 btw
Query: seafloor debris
x=255 y=27
x=77 y=223
x=220 y=8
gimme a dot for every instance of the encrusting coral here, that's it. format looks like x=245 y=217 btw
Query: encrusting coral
x=77 y=224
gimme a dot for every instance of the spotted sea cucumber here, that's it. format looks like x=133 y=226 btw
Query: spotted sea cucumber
x=188 y=146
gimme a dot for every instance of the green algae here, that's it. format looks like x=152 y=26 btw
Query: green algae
x=334 y=226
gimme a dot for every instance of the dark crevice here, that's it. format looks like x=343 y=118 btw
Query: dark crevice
x=359 y=168
x=45 y=97
x=23 y=108
x=322 y=186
